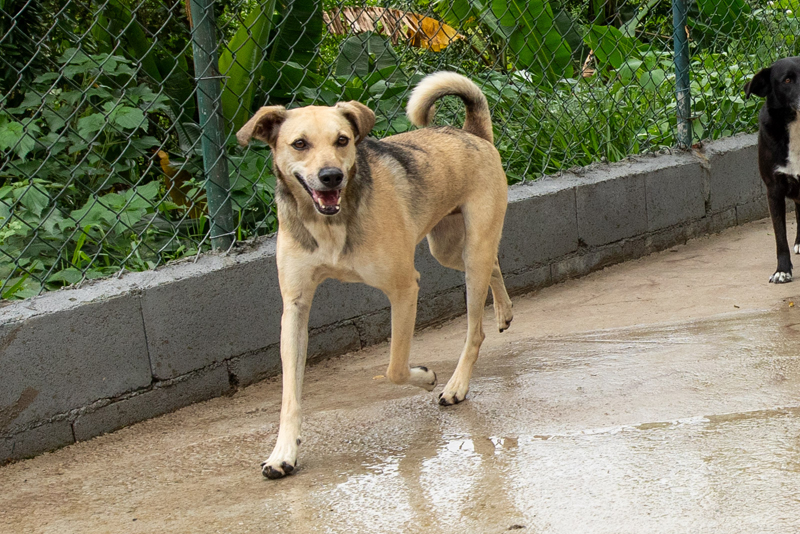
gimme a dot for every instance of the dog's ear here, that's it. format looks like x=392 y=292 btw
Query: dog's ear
x=360 y=117
x=759 y=85
x=264 y=126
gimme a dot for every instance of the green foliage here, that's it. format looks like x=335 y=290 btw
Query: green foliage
x=117 y=23
x=724 y=16
x=101 y=165
x=581 y=122
x=80 y=133
x=20 y=22
x=240 y=59
x=272 y=33
x=364 y=54
x=524 y=34
x=533 y=38
x=298 y=32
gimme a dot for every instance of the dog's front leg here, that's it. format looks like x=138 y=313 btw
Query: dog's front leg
x=403 y=298
x=797 y=238
x=777 y=209
x=294 y=346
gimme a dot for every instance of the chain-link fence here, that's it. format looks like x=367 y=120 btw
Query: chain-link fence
x=117 y=117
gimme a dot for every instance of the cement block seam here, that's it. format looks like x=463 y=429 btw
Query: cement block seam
x=606 y=215
x=73 y=414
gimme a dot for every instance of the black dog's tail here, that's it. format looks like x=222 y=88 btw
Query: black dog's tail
x=432 y=88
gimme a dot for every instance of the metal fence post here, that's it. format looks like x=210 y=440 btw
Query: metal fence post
x=215 y=162
x=683 y=93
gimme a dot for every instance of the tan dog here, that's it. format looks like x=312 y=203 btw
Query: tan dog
x=354 y=209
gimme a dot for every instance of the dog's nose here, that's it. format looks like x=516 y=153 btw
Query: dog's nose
x=331 y=176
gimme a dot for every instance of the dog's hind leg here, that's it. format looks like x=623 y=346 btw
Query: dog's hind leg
x=446 y=242
x=502 y=303
x=297 y=290
x=403 y=298
x=776 y=197
x=797 y=216
x=480 y=256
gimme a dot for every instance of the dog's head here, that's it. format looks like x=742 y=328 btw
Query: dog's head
x=314 y=148
x=779 y=84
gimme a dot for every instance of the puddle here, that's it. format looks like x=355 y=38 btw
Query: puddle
x=674 y=428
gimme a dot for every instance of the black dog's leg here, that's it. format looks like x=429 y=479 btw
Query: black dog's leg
x=797 y=239
x=777 y=209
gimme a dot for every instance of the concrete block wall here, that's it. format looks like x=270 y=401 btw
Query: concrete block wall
x=80 y=362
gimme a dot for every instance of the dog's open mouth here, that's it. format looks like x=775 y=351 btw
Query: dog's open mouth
x=326 y=202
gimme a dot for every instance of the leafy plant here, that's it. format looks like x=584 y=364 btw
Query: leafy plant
x=238 y=62
x=524 y=34
x=81 y=134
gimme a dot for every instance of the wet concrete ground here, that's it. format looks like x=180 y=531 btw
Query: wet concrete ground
x=661 y=395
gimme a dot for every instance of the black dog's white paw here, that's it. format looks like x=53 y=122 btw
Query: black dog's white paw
x=780 y=278
x=797 y=248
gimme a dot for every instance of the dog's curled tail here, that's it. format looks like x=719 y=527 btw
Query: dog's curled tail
x=432 y=88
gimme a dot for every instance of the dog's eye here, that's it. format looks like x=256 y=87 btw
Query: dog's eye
x=300 y=144
x=343 y=140
x=787 y=80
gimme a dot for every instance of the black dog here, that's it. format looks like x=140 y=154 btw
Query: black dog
x=779 y=150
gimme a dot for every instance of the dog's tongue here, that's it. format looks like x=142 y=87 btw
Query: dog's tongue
x=326 y=198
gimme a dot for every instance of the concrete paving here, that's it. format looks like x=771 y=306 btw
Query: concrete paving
x=660 y=395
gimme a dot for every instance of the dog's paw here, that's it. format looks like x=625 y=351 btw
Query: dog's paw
x=797 y=248
x=283 y=460
x=780 y=278
x=275 y=471
x=455 y=391
x=503 y=315
x=422 y=377
x=448 y=399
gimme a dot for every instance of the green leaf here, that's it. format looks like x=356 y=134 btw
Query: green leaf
x=365 y=54
x=118 y=23
x=27 y=143
x=32 y=100
x=537 y=45
x=34 y=200
x=610 y=46
x=94 y=213
x=629 y=68
x=91 y=125
x=629 y=28
x=458 y=13
x=56 y=119
x=569 y=27
x=10 y=134
x=47 y=77
x=651 y=80
x=16 y=288
x=144 y=143
x=69 y=276
x=724 y=15
x=299 y=32
x=127 y=117
x=73 y=55
x=240 y=58
x=142 y=196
